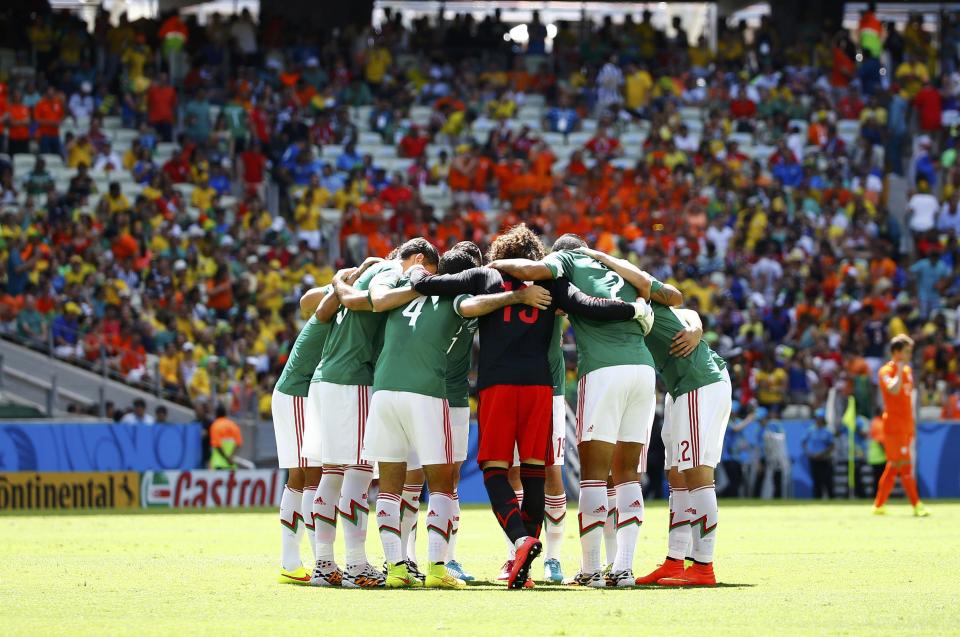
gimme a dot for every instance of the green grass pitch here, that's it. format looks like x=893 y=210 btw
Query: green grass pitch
x=795 y=568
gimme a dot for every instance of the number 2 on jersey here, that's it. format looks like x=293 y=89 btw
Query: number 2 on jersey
x=616 y=282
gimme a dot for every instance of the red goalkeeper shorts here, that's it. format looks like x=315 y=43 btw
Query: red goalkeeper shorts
x=515 y=416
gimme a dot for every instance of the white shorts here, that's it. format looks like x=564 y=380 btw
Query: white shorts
x=698 y=422
x=402 y=424
x=669 y=449
x=559 y=430
x=616 y=404
x=289 y=421
x=343 y=421
x=460 y=423
x=311 y=430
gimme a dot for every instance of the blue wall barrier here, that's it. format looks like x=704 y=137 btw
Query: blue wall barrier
x=79 y=447
x=938 y=462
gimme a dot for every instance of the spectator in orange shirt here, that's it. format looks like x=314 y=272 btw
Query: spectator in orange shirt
x=49 y=113
x=896 y=386
x=18 y=121
x=225 y=440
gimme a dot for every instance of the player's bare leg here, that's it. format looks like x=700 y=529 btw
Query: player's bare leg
x=630 y=511
x=291 y=529
x=555 y=513
x=596 y=458
x=678 y=538
x=702 y=504
x=440 y=525
x=311 y=479
x=453 y=566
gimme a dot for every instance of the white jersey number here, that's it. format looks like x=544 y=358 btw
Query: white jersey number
x=414 y=309
x=616 y=282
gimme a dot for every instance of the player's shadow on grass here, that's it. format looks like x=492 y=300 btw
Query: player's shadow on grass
x=560 y=588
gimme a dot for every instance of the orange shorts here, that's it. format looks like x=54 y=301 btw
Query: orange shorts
x=897 y=448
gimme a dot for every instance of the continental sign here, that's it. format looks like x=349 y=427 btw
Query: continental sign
x=242 y=488
x=29 y=490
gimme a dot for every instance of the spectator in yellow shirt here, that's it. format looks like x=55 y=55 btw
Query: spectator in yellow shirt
x=637 y=87
x=115 y=200
x=169 y=368
x=377 y=62
x=203 y=195
x=79 y=151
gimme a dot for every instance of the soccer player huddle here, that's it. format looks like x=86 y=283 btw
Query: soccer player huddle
x=377 y=381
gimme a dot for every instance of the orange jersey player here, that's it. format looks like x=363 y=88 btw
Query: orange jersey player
x=896 y=385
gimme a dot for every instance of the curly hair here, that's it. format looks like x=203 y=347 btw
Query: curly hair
x=519 y=242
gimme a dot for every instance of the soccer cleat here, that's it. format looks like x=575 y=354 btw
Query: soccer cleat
x=297 y=576
x=456 y=570
x=590 y=580
x=880 y=510
x=529 y=584
x=620 y=578
x=363 y=576
x=669 y=568
x=505 y=571
x=528 y=551
x=552 y=572
x=398 y=577
x=696 y=575
x=920 y=511
x=607 y=569
x=437 y=577
x=415 y=573
x=326 y=574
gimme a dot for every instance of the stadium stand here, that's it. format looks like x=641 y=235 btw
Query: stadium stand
x=162 y=210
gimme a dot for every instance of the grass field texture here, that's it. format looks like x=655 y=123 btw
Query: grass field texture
x=795 y=568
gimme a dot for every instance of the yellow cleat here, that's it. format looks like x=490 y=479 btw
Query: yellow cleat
x=299 y=576
x=920 y=511
x=398 y=576
x=880 y=510
x=437 y=577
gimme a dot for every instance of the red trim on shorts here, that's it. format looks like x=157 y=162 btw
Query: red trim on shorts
x=581 y=393
x=447 y=434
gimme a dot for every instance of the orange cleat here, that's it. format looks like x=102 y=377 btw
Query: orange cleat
x=696 y=575
x=669 y=568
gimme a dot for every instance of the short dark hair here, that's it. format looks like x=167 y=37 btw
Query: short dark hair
x=569 y=242
x=454 y=261
x=419 y=245
x=470 y=248
x=899 y=342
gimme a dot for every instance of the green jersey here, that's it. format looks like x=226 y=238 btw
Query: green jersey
x=600 y=343
x=350 y=352
x=681 y=374
x=558 y=367
x=458 y=365
x=417 y=340
x=304 y=356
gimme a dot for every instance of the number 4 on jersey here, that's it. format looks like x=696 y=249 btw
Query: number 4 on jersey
x=414 y=309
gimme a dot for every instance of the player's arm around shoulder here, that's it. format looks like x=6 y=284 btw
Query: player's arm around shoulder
x=469 y=306
x=387 y=294
x=686 y=340
x=471 y=281
x=524 y=269
x=646 y=285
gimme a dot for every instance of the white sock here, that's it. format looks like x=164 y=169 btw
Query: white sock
x=610 y=527
x=452 y=549
x=410 y=510
x=291 y=528
x=306 y=506
x=439 y=526
x=629 y=519
x=703 y=525
x=554 y=516
x=388 y=522
x=325 y=513
x=353 y=510
x=593 y=515
x=679 y=539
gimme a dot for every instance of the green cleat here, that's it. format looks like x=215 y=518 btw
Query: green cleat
x=880 y=510
x=398 y=576
x=437 y=577
x=920 y=511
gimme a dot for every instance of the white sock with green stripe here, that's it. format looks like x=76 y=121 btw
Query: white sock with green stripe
x=703 y=522
x=353 y=510
x=306 y=506
x=678 y=540
x=325 y=512
x=388 y=522
x=291 y=528
x=629 y=519
x=554 y=514
x=410 y=511
x=439 y=526
x=593 y=515
x=610 y=527
x=452 y=549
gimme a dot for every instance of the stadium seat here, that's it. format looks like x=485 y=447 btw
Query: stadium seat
x=420 y=115
x=848 y=130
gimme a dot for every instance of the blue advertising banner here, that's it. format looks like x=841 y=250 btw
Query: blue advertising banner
x=83 y=447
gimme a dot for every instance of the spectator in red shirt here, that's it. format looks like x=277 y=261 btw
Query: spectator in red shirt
x=850 y=105
x=929 y=108
x=742 y=107
x=396 y=192
x=49 y=113
x=18 y=120
x=603 y=146
x=161 y=106
x=414 y=143
x=254 y=165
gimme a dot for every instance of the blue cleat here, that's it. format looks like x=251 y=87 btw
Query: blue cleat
x=552 y=571
x=456 y=570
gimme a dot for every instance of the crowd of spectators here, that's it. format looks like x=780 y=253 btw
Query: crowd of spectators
x=804 y=198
